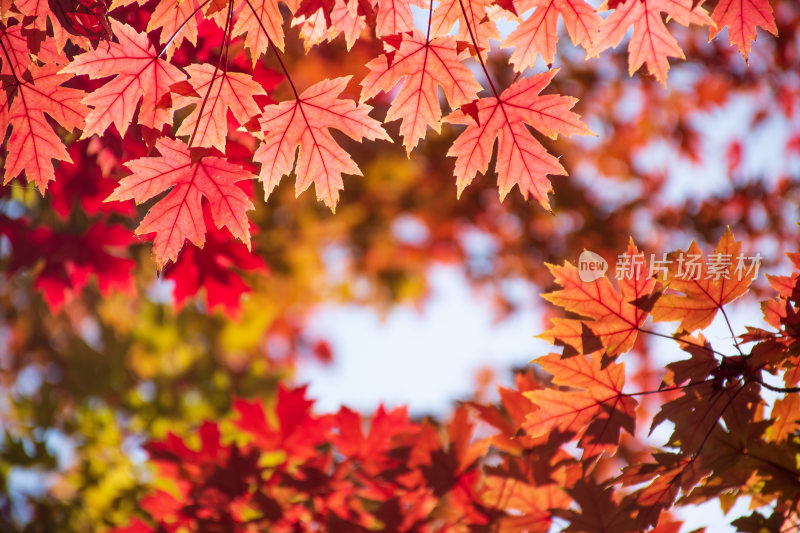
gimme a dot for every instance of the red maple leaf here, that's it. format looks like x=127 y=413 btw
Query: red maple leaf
x=217 y=268
x=293 y=428
x=139 y=74
x=179 y=215
x=174 y=18
x=425 y=64
x=651 y=42
x=305 y=123
x=521 y=159
x=742 y=18
x=216 y=92
x=33 y=144
x=474 y=24
x=538 y=34
x=70 y=260
x=262 y=22
x=85 y=183
x=394 y=16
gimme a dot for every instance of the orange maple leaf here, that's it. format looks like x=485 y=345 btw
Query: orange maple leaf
x=33 y=144
x=424 y=64
x=305 y=123
x=705 y=289
x=217 y=92
x=593 y=408
x=614 y=316
x=651 y=42
x=743 y=18
x=521 y=159
x=538 y=34
x=139 y=74
x=529 y=505
x=179 y=215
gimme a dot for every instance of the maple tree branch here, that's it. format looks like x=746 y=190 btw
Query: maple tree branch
x=274 y=49
x=180 y=28
x=773 y=388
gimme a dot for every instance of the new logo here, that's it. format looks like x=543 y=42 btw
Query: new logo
x=591 y=266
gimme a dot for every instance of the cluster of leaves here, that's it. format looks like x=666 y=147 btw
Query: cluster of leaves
x=42 y=48
x=507 y=467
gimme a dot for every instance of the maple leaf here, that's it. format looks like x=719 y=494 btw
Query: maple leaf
x=594 y=407
x=538 y=34
x=70 y=260
x=529 y=505
x=305 y=123
x=667 y=476
x=373 y=449
x=705 y=290
x=176 y=20
x=521 y=159
x=787 y=420
x=217 y=92
x=600 y=509
x=292 y=428
x=394 y=16
x=179 y=215
x=424 y=64
x=651 y=42
x=615 y=315
x=84 y=184
x=139 y=74
x=742 y=18
x=262 y=22
x=33 y=144
x=314 y=19
x=217 y=269
x=474 y=24
x=346 y=19
x=17 y=55
x=322 y=20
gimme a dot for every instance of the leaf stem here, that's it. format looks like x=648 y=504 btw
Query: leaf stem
x=223 y=51
x=690 y=343
x=480 y=57
x=275 y=49
x=777 y=389
x=730 y=328
x=430 y=19
x=668 y=389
